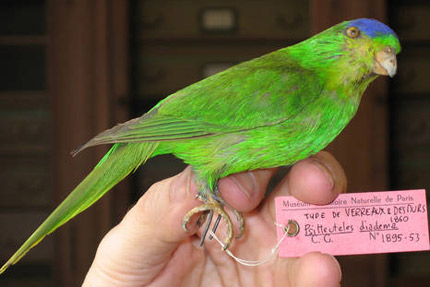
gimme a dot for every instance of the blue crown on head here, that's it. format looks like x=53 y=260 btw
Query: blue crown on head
x=372 y=27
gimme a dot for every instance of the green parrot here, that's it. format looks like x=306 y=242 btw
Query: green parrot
x=267 y=112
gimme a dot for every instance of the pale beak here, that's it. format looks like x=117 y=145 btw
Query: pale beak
x=385 y=62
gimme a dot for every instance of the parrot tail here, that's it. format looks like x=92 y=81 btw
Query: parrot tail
x=121 y=160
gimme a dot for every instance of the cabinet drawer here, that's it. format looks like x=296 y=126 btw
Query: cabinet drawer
x=411 y=122
x=411 y=22
x=412 y=168
x=22 y=68
x=24 y=131
x=278 y=19
x=22 y=17
x=26 y=182
x=412 y=73
x=23 y=101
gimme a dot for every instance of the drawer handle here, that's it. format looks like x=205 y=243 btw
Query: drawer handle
x=152 y=21
x=408 y=76
x=289 y=21
x=26 y=129
x=406 y=22
x=153 y=75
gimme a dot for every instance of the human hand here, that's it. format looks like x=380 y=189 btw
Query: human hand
x=150 y=248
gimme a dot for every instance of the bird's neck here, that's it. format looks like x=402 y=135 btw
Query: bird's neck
x=346 y=72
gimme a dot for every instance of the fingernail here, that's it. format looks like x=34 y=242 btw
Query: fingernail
x=182 y=186
x=337 y=265
x=332 y=170
x=326 y=169
x=246 y=182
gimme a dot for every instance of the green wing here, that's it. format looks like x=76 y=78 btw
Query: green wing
x=149 y=128
x=264 y=91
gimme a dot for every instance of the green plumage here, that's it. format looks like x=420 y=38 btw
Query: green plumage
x=267 y=112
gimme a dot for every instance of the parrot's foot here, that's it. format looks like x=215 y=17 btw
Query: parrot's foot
x=211 y=208
x=239 y=218
x=202 y=219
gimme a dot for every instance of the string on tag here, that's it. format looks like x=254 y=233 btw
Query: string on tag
x=274 y=250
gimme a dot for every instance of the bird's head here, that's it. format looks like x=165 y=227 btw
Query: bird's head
x=355 y=50
x=375 y=42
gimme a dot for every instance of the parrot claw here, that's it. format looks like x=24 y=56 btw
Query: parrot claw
x=241 y=221
x=214 y=207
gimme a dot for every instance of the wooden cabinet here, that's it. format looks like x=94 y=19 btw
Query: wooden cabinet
x=410 y=124
x=413 y=63
x=178 y=20
x=25 y=139
x=411 y=19
x=63 y=77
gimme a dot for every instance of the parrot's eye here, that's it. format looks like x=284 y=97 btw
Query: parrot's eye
x=353 y=32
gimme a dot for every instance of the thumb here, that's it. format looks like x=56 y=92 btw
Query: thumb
x=139 y=247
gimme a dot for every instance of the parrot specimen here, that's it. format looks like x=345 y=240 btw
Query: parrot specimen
x=270 y=111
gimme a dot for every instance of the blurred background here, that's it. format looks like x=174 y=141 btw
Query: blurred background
x=72 y=68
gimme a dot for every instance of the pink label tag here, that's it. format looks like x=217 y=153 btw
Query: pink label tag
x=355 y=223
